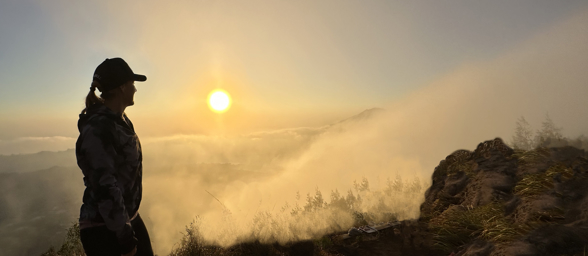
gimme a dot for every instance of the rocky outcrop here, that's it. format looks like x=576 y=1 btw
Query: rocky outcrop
x=498 y=201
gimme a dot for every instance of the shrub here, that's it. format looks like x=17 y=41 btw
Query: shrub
x=192 y=244
x=72 y=245
x=523 y=137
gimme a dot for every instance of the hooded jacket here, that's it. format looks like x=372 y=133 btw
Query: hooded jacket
x=109 y=154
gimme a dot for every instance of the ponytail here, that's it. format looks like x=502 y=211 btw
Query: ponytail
x=92 y=99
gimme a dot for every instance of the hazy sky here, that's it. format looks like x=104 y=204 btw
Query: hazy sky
x=285 y=63
x=450 y=75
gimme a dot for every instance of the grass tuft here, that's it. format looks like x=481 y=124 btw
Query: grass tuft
x=538 y=183
x=460 y=225
x=531 y=157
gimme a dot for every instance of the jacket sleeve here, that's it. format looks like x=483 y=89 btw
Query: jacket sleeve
x=99 y=150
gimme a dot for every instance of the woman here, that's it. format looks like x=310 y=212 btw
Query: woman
x=109 y=153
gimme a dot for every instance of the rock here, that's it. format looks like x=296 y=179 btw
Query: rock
x=477 y=248
x=354 y=232
x=495 y=201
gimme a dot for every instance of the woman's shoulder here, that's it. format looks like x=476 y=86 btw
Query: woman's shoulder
x=98 y=116
x=100 y=122
x=98 y=126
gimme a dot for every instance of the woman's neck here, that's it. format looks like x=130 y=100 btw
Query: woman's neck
x=115 y=105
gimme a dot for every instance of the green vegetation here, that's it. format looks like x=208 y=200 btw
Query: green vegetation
x=72 y=246
x=460 y=225
x=457 y=225
x=538 y=183
x=527 y=158
x=191 y=244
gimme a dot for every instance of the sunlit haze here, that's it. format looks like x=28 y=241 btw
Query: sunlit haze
x=431 y=76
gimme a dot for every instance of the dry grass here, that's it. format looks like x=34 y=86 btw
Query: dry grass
x=538 y=183
x=531 y=157
x=462 y=225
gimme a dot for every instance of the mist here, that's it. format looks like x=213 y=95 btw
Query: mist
x=246 y=187
x=227 y=184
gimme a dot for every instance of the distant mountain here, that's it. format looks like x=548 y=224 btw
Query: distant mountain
x=364 y=115
x=361 y=118
x=37 y=161
x=37 y=207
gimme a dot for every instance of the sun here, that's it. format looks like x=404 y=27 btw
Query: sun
x=219 y=101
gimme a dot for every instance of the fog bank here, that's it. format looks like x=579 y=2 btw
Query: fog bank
x=255 y=174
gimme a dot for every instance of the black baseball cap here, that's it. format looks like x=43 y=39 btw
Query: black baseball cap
x=112 y=73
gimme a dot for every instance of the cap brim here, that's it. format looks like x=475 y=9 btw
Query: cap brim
x=140 y=78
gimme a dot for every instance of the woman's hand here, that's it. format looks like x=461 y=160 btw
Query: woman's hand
x=131 y=253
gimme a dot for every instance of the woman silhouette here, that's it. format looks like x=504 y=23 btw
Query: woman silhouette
x=109 y=154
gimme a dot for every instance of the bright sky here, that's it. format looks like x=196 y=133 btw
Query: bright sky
x=285 y=63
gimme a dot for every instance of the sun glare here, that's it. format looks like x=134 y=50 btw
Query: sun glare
x=219 y=101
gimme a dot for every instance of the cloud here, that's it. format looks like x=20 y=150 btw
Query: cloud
x=475 y=102
x=259 y=175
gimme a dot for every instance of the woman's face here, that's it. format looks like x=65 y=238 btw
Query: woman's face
x=128 y=93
